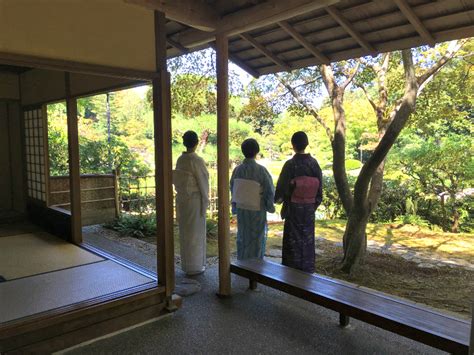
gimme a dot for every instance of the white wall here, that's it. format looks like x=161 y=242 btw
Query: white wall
x=104 y=32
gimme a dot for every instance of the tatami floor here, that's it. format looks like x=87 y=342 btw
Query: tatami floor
x=40 y=272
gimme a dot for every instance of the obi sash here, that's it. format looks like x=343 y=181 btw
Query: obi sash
x=184 y=182
x=305 y=189
x=246 y=194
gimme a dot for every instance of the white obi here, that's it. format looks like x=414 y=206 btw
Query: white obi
x=184 y=182
x=246 y=194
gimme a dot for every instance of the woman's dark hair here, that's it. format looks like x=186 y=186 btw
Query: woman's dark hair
x=250 y=148
x=190 y=139
x=299 y=140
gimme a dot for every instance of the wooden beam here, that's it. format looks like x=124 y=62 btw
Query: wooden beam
x=163 y=161
x=266 y=52
x=339 y=18
x=74 y=167
x=72 y=66
x=178 y=46
x=415 y=21
x=254 y=17
x=239 y=62
x=222 y=62
x=305 y=43
x=194 y=13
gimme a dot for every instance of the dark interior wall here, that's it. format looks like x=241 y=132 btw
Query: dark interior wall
x=12 y=196
x=5 y=176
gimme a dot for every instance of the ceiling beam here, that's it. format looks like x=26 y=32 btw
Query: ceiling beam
x=178 y=46
x=194 y=13
x=341 y=20
x=239 y=62
x=303 y=41
x=415 y=21
x=265 y=51
x=263 y=14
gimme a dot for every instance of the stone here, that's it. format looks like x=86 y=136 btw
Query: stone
x=273 y=253
x=426 y=266
x=187 y=287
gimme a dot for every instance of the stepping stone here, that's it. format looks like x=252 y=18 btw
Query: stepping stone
x=187 y=287
x=426 y=266
x=274 y=253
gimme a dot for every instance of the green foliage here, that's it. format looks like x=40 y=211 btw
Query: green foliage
x=331 y=205
x=412 y=219
x=193 y=95
x=211 y=229
x=137 y=226
x=352 y=164
x=258 y=112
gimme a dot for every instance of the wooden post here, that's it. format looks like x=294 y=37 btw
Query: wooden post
x=223 y=163
x=74 y=167
x=163 y=161
x=116 y=174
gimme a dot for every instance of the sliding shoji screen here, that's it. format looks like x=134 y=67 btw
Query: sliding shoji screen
x=36 y=153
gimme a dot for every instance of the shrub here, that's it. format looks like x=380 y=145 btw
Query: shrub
x=137 y=226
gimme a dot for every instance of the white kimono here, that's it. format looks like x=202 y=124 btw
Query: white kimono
x=191 y=180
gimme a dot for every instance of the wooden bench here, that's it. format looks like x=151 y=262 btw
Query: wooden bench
x=406 y=318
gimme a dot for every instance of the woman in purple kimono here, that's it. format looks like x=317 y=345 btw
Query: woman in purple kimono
x=299 y=187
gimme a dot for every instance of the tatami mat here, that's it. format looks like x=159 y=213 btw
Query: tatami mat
x=35 y=253
x=10 y=229
x=32 y=295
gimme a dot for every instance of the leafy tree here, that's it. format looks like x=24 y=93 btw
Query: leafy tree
x=392 y=111
x=258 y=112
x=443 y=168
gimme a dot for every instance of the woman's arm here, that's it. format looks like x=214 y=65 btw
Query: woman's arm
x=268 y=191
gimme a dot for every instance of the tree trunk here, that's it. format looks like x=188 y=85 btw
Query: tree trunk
x=336 y=94
x=355 y=239
x=455 y=226
x=376 y=187
x=355 y=236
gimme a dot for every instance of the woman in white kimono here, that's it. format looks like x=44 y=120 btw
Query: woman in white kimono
x=191 y=180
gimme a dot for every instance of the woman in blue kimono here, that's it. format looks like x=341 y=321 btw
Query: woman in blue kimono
x=300 y=189
x=252 y=197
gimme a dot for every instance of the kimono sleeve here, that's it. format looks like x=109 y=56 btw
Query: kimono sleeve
x=319 y=195
x=282 y=191
x=234 y=206
x=202 y=179
x=268 y=191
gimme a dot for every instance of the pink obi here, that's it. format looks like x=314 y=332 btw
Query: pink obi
x=306 y=189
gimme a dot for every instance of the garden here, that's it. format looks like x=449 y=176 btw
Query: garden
x=419 y=228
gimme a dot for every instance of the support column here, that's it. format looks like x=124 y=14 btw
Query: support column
x=74 y=167
x=163 y=160
x=222 y=62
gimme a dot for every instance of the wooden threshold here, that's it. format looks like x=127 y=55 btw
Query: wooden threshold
x=77 y=323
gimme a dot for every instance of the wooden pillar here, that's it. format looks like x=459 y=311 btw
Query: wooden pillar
x=74 y=167
x=163 y=160
x=222 y=61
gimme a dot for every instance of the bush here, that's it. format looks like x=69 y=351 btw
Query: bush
x=211 y=229
x=137 y=226
x=332 y=204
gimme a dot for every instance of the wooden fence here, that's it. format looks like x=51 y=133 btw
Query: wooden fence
x=99 y=202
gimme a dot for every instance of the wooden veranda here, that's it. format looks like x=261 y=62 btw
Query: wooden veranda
x=51 y=51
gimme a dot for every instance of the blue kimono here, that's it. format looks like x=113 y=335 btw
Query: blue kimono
x=252 y=225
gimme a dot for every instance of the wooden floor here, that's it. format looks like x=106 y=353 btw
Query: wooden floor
x=56 y=294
